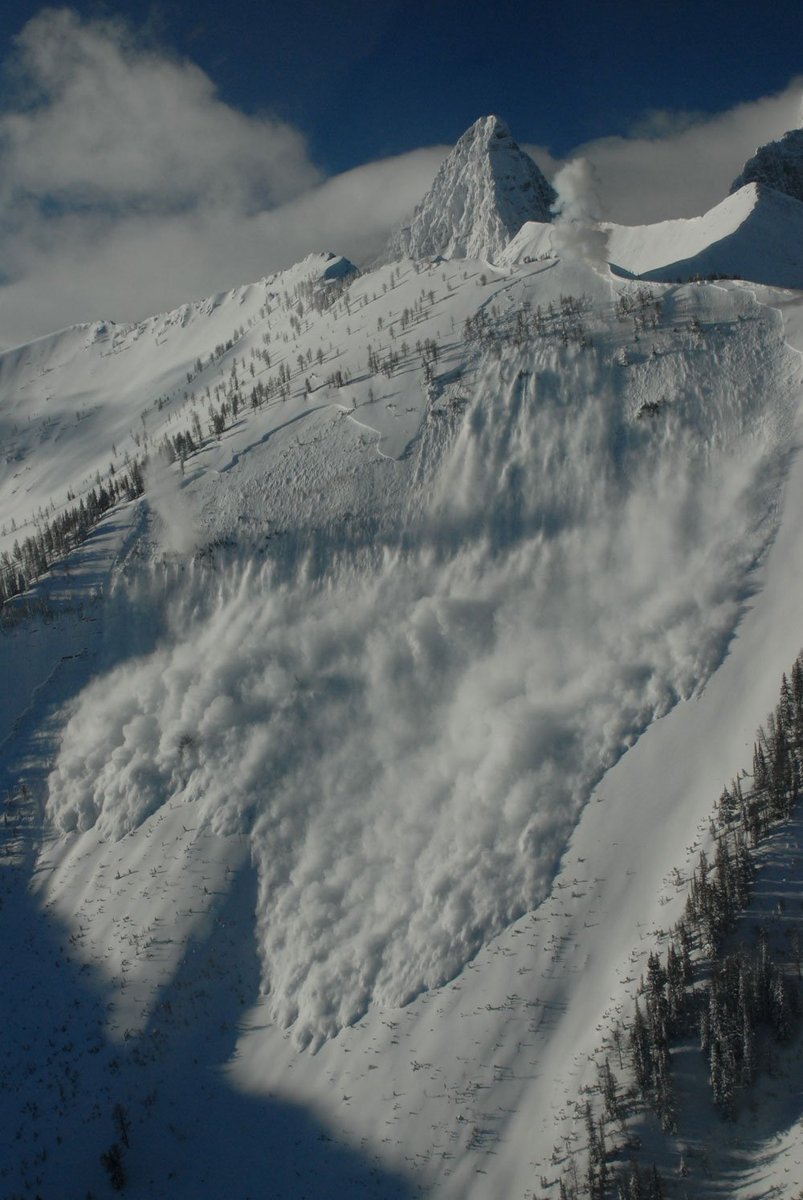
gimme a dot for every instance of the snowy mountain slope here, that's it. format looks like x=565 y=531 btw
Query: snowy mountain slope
x=482 y=1113
x=482 y=195
x=524 y=1024
x=754 y=234
x=429 y=604
x=778 y=165
x=88 y=396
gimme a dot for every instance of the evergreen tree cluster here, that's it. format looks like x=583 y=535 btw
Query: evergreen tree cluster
x=322 y=294
x=417 y=312
x=55 y=537
x=633 y=1183
x=743 y=991
x=738 y=999
x=385 y=362
x=777 y=762
x=562 y=323
x=642 y=307
x=747 y=989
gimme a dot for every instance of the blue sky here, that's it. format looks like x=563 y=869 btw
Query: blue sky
x=363 y=80
x=156 y=152
x=561 y=73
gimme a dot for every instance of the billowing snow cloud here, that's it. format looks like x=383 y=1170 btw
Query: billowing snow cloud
x=577 y=232
x=407 y=736
x=176 y=527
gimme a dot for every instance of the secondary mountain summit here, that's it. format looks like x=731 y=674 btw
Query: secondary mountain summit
x=482 y=195
x=778 y=165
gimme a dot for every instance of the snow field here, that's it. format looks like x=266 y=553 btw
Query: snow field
x=477 y=1084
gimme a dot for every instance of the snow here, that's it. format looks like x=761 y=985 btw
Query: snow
x=482 y=195
x=366 y=745
x=755 y=234
x=87 y=396
x=382 y=862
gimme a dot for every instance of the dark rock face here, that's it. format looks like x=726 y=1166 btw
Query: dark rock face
x=778 y=165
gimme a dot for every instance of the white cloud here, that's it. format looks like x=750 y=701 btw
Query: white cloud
x=684 y=163
x=127 y=186
x=115 y=124
x=78 y=267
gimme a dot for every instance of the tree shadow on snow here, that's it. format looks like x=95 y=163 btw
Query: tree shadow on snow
x=190 y=1133
x=62 y=1073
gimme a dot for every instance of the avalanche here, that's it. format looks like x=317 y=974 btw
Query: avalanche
x=376 y=726
x=407 y=732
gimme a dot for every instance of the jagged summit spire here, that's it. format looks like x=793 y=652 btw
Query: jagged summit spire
x=482 y=195
x=488 y=131
x=778 y=165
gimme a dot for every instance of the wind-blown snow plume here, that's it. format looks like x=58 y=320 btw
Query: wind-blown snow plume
x=176 y=526
x=408 y=736
x=577 y=232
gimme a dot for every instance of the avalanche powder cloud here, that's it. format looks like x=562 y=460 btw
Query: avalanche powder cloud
x=407 y=734
x=577 y=232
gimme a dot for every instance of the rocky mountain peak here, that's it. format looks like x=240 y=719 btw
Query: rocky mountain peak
x=482 y=195
x=778 y=165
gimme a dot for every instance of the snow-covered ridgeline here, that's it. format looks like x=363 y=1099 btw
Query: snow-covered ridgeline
x=754 y=234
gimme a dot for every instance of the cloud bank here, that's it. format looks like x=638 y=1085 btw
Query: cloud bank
x=127 y=186
x=681 y=164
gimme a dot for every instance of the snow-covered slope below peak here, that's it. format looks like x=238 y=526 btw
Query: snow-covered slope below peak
x=321 y=267
x=754 y=234
x=482 y=195
x=558 y=514
x=77 y=404
x=778 y=165
x=535 y=240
